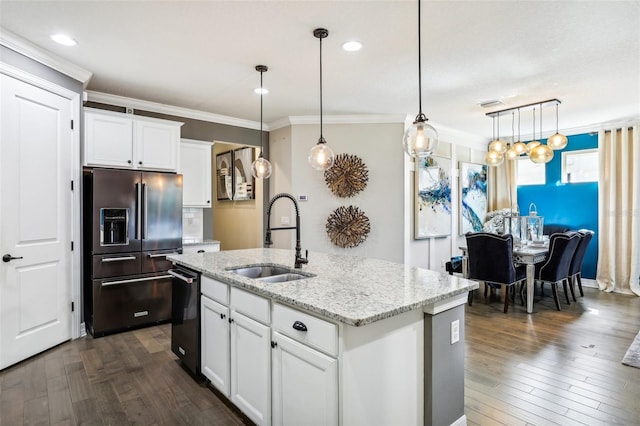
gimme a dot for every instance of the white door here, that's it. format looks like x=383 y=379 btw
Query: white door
x=214 y=343
x=305 y=385
x=251 y=368
x=35 y=220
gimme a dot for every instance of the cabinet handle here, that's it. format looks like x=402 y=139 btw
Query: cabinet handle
x=299 y=325
x=129 y=161
x=200 y=251
x=222 y=316
x=273 y=344
x=208 y=201
x=230 y=320
x=140 y=162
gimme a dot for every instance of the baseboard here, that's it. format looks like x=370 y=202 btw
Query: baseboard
x=462 y=421
x=588 y=282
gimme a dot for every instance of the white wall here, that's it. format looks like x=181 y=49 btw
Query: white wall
x=380 y=147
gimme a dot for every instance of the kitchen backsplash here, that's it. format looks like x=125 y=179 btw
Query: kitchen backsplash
x=191 y=224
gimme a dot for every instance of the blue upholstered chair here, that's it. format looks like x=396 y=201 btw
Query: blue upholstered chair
x=490 y=259
x=575 y=269
x=555 y=269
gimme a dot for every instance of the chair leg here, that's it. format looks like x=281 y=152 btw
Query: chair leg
x=470 y=298
x=522 y=290
x=566 y=292
x=573 y=293
x=541 y=289
x=580 y=284
x=554 y=289
x=506 y=298
x=486 y=289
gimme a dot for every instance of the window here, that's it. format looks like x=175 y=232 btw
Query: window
x=530 y=173
x=580 y=166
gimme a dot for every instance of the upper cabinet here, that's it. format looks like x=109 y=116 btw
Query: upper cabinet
x=130 y=141
x=195 y=166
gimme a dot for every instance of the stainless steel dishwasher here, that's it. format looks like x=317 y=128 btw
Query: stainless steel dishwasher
x=185 y=319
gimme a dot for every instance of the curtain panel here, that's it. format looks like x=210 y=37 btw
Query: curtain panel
x=503 y=188
x=619 y=210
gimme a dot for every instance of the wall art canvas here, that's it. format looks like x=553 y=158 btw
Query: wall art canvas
x=224 y=176
x=243 y=179
x=473 y=197
x=432 y=197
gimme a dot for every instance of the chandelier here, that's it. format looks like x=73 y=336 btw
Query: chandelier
x=537 y=152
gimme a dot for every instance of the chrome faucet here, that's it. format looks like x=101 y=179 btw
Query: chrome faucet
x=299 y=259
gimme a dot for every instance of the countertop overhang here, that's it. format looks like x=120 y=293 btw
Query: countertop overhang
x=350 y=289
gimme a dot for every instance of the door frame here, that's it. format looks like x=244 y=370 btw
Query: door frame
x=76 y=218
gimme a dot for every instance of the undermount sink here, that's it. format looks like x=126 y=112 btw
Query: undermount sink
x=269 y=273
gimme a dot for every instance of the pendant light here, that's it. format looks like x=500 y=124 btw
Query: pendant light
x=541 y=153
x=557 y=141
x=420 y=139
x=321 y=156
x=261 y=167
x=497 y=144
x=511 y=153
x=493 y=158
x=533 y=142
x=520 y=147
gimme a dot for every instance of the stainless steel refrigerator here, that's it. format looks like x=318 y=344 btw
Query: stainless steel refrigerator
x=131 y=221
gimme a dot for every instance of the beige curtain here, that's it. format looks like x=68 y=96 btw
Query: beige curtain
x=619 y=210
x=502 y=181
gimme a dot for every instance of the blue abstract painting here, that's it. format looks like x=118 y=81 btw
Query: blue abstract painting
x=433 y=197
x=473 y=197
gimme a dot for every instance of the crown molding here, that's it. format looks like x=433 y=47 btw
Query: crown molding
x=38 y=54
x=123 y=101
x=337 y=119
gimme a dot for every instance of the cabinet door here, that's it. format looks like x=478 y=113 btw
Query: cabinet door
x=108 y=140
x=200 y=248
x=195 y=166
x=305 y=384
x=214 y=343
x=156 y=145
x=251 y=368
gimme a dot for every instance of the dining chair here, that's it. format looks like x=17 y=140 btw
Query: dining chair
x=575 y=270
x=490 y=260
x=555 y=269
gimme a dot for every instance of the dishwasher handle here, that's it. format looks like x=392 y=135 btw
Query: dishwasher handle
x=173 y=272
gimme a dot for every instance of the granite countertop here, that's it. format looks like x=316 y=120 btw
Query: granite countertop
x=350 y=289
x=198 y=241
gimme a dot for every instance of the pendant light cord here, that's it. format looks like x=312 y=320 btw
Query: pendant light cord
x=261 y=95
x=419 y=64
x=321 y=137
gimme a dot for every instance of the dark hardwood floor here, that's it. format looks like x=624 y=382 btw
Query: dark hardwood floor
x=551 y=367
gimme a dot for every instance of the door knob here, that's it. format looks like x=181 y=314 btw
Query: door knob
x=9 y=258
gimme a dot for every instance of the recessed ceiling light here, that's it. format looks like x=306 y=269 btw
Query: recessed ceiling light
x=261 y=91
x=352 y=46
x=63 y=39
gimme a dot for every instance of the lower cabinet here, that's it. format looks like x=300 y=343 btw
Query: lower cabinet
x=305 y=384
x=214 y=344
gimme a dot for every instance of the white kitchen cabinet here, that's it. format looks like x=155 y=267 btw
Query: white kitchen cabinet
x=305 y=384
x=251 y=368
x=214 y=343
x=195 y=166
x=126 y=141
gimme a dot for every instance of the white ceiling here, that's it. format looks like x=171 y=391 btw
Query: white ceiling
x=201 y=55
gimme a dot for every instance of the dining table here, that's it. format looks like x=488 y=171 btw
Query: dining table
x=523 y=254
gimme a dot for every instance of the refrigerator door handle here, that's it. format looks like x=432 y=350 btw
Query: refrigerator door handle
x=151 y=256
x=138 y=204
x=188 y=280
x=144 y=211
x=134 y=280
x=117 y=259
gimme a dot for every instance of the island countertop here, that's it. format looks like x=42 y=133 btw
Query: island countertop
x=350 y=289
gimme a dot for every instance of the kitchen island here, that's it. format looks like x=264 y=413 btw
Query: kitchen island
x=390 y=337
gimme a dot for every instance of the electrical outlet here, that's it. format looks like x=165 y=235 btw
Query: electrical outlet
x=455 y=331
x=284 y=220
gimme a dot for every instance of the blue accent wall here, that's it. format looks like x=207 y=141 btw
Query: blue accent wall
x=572 y=204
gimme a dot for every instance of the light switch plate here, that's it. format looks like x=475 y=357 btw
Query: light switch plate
x=284 y=220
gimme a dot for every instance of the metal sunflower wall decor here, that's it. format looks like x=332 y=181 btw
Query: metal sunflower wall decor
x=347 y=176
x=348 y=227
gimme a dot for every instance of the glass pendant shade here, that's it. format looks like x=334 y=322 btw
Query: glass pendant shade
x=261 y=168
x=494 y=158
x=498 y=145
x=512 y=154
x=531 y=145
x=420 y=139
x=541 y=154
x=557 y=141
x=321 y=156
x=519 y=147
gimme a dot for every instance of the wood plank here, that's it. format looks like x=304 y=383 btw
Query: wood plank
x=36 y=411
